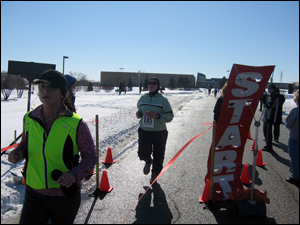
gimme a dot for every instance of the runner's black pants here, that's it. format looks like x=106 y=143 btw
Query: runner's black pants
x=153 y=142
x=39 y=208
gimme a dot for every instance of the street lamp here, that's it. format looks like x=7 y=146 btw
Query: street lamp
x=140 y=86
x=64 y=57
x=121 y=74
x=228 y=71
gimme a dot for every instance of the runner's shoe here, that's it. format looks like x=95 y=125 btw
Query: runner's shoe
x=147 y=167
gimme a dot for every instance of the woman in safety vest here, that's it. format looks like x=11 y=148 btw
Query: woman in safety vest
x=52 y=139
x=154 y=111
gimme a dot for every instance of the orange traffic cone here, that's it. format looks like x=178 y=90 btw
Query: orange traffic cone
x=23 y=178
x=92 y=173
x=249 y=135
x=205 y=195
x=104 y=184
x=245 y=179
x=259 y=160
x=89 y=176
x=109 y=158
x=253 y=146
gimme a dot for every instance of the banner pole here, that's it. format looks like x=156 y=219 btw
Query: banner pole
x=96 y=193
x=97 y=152
x=15 y=142
x=255 y=151
x=212 y=164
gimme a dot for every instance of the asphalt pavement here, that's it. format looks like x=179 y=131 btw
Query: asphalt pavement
x=175 y=199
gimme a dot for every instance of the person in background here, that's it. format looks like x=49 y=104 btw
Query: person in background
x=218 y=104
x=122 y=87
x=270 y=116
x=216 y=91
x=52 y=139
x=278 y=115
x=154 y=111
x=69 y=99
x=292 y=123
x=209 y=89
x=262 y=100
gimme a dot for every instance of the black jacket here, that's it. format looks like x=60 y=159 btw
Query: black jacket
x=273 y=111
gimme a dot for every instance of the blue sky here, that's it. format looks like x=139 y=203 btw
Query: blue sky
x=155 y=37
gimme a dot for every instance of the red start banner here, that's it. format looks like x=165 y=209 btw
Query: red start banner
x=245 y=87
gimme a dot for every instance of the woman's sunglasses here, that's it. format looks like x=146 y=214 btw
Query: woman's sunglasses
x=153 y=83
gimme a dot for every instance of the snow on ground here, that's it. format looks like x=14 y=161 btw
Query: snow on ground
x=117 y=123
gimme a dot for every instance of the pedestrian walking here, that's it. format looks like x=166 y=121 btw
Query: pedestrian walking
x=216 y=91
x=52 y=139
x=209 y=89
x=154 y=111
x=292 y=123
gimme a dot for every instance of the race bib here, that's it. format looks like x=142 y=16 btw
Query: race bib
x=147 y=122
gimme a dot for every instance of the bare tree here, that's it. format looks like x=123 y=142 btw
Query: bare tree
x=81 y=79
x=10 y=82
x=20 y=85
x=6 y=85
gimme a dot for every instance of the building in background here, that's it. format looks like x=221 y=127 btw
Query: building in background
x=113 y=79
x=201 y=80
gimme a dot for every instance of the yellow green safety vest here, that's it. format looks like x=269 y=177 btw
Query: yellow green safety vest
x=58 y=150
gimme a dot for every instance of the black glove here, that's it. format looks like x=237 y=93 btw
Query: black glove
x=69 y=192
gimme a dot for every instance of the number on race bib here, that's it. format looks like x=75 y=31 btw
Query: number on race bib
x=148 y=122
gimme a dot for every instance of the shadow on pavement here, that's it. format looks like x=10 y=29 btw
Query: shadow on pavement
x=156 y=213
x=228 y=212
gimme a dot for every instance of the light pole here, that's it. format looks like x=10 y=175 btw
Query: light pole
x=139 y=75
x=121 y=74
x=64 y=57
x=228 y=71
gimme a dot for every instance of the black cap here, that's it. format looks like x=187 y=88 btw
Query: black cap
x=55 y=78
x=273 y=86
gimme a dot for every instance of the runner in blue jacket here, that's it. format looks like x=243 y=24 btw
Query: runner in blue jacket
x=154 y=111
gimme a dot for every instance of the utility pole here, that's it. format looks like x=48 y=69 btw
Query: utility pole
x=281 y=77
x=64 y=57
x=140 y=86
